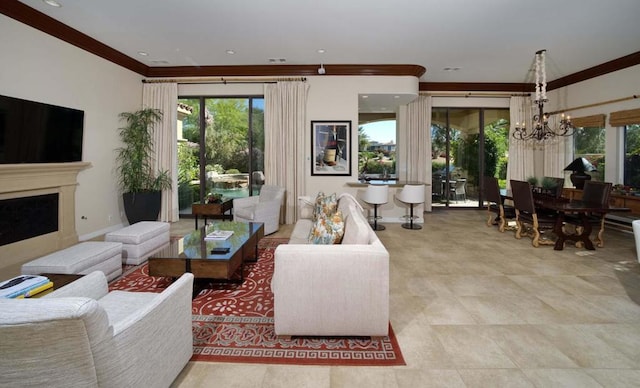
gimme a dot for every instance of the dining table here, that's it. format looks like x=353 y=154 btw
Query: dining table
x=563 y=206
x=582 y=209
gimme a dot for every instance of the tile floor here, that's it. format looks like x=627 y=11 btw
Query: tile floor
x=472 y=307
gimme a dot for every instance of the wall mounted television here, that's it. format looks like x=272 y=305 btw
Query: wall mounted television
x=34 y=132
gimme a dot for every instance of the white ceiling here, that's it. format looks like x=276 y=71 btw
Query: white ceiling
x=488 y=40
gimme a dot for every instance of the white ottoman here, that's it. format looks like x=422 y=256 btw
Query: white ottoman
x=82 y=259
x=140 y=240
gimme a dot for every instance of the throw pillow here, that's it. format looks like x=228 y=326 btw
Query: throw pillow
x=326 y=205
x=327 y=230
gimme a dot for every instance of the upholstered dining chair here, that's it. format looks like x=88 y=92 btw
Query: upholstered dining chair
x=376 y=195
x=526 y=213
x=413 y=195
x=595 y=192
x=496 y=204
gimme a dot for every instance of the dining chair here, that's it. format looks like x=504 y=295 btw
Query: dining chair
x=376 y=195
x=459 y=189
x=595 y=192
x=496 y=204
x=525 y=210
x=413 y=195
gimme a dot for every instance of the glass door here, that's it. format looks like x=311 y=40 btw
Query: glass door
x=221 y=150
x=467 y=143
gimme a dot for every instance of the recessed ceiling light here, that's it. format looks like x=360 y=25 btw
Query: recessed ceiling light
x=451 y=69
x=365 y=96
x=230 y=52
x=143 y=53
x=396 y=96
x=52 y=3
x=320 y=51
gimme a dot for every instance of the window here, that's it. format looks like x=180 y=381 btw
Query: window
x=222 y=146
x=377 y=149
x=588 y=143
x=632 y=155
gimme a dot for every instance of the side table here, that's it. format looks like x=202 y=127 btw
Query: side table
x=222 y=210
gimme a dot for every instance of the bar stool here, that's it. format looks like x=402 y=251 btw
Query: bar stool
x=413 y=195
x=376 y=195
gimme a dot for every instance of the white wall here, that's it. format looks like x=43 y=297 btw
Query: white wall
x=38 y=67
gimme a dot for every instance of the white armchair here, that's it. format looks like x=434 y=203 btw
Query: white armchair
x=82 y=335
x=261 y=208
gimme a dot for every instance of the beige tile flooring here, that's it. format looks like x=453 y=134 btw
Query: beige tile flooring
x=472 y=307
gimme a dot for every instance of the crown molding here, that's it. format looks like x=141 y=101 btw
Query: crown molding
x=596 y=71
x=476 y=87
x=285 y=70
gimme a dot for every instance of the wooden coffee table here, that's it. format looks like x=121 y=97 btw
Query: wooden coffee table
x=213 y=210
x=193 y=253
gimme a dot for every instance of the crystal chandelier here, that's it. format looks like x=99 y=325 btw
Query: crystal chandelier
x=541 y=131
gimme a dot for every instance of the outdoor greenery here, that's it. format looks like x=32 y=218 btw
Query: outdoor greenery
x=226 y=139
x=632 y=156
x=134 y=159
x=465 y=150
x=373 y=161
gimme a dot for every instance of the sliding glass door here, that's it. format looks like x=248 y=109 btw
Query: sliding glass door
x=467 y=143
x=221 y=150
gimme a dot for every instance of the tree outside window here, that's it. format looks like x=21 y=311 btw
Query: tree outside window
x=632 y=156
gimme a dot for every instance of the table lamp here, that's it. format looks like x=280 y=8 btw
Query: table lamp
x=580 y=167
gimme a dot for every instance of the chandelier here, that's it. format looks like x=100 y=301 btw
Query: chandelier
x=541 y=131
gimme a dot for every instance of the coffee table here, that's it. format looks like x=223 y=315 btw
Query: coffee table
x=213 y=210
x=193 y=253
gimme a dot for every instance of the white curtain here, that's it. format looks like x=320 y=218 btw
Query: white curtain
x=521 y=164
x=554 y=154
x=164 y=96
x=415 y=136
x=285 y=117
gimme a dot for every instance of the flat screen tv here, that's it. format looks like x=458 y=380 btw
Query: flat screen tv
x=34 y=132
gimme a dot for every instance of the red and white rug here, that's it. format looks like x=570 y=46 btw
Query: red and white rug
x=234 y=323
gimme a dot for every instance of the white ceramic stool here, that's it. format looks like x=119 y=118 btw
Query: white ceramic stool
x=376 y=195
x=413 y=195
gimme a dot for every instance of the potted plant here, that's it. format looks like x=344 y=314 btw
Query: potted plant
x=141 y=186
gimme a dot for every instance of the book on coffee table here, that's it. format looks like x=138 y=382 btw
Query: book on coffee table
x=219 y=235
x=20 y=285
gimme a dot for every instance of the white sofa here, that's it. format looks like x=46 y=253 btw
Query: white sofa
x=332 y=290
x=84 y=336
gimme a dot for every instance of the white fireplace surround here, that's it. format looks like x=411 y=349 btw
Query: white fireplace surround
x=26 y=180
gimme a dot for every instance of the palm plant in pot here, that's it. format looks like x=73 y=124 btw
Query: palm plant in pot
x=141 y=186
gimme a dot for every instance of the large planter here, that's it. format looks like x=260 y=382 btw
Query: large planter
x=143 y=206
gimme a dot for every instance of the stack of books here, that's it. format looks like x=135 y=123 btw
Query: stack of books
x=24 y=286
x=219 y=235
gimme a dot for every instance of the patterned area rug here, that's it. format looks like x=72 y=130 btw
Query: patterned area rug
x=234 y=323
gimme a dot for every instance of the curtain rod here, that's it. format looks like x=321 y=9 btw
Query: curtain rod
x=471 y=94
x=222 y=80
x=597 y=104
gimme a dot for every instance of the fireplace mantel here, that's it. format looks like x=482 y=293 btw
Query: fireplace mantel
x=25 y=180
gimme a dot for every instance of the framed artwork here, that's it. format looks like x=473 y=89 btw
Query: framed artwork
x=330 y=147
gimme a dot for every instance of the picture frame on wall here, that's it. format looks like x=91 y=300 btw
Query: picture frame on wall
x=331 y=147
